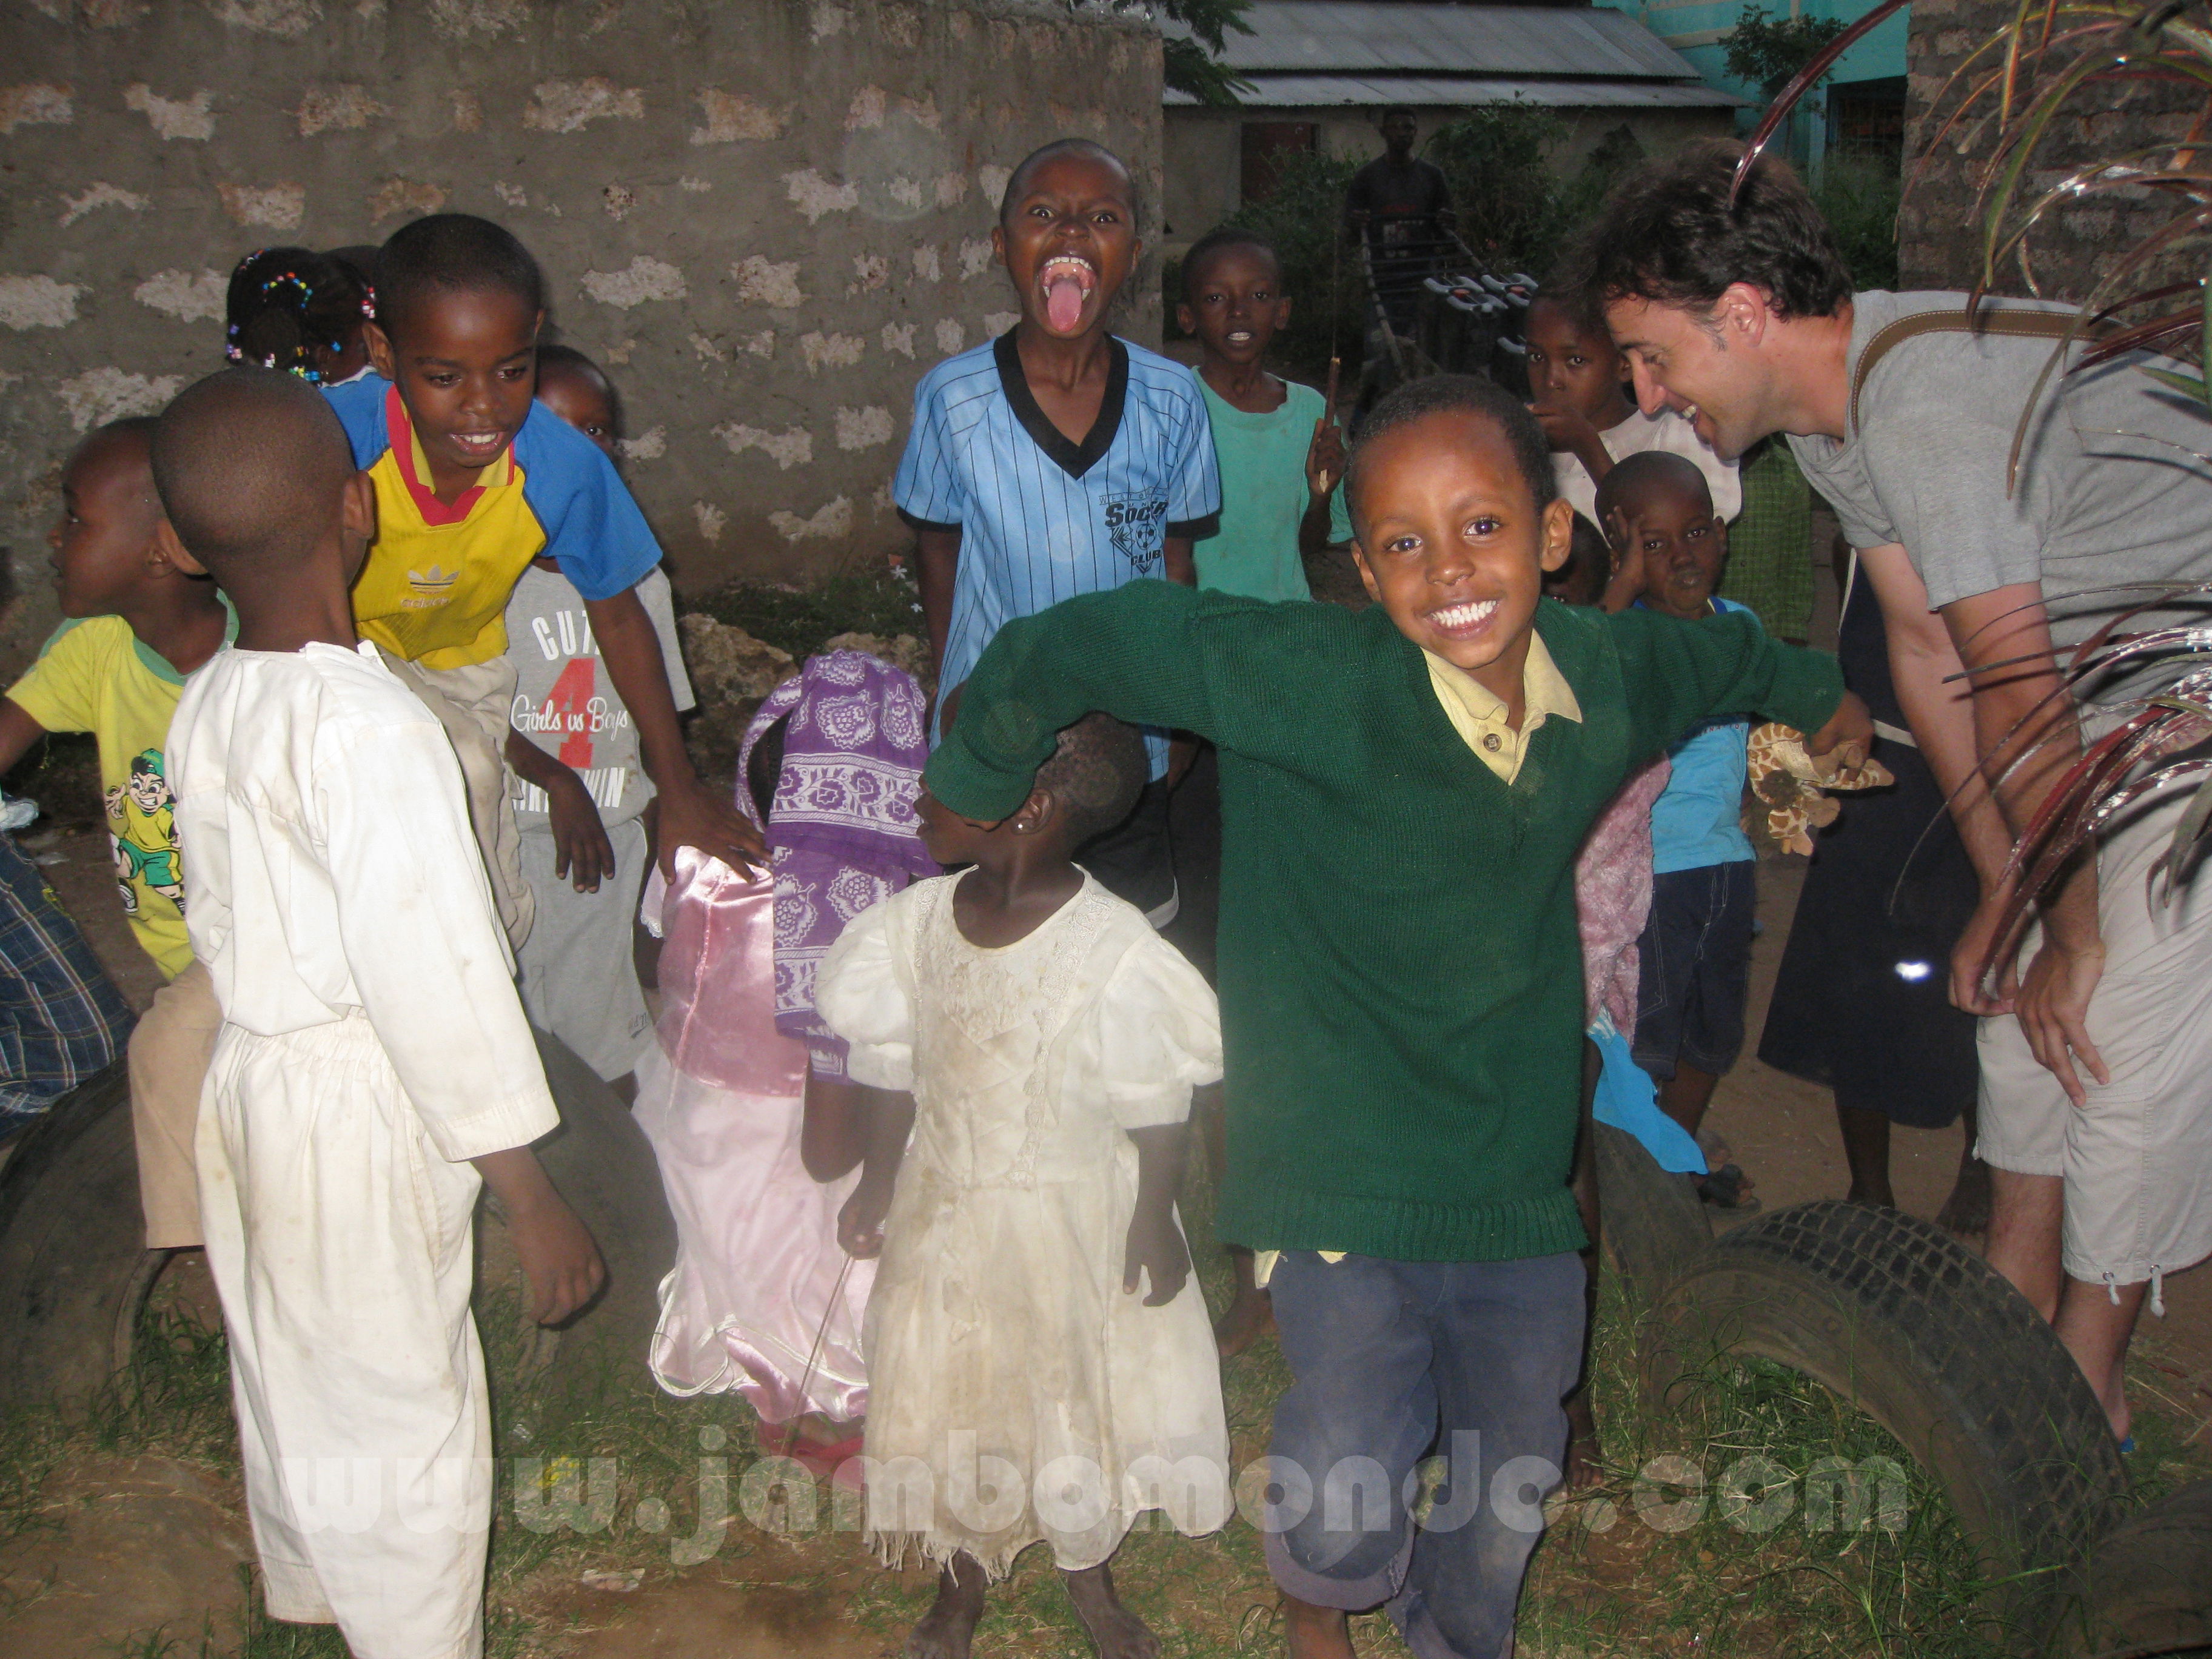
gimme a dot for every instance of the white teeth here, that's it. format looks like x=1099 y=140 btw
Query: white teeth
x=1464 y=615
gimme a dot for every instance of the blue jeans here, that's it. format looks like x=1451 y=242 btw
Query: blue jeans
x=1391 y=1361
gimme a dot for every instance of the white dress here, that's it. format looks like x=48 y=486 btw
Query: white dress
x=1018 y=1393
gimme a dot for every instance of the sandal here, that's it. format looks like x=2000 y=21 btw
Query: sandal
x=1724 y=1188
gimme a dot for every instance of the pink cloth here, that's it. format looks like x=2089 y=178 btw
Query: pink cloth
x=758 y=1273
x=1613 y=897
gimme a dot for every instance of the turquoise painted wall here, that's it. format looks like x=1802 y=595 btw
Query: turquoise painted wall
x=1693 y=26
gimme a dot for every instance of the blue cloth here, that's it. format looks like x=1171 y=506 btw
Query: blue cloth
x=1628 y=1099
x=61 y=1017
x=1698 y=819
x=1387 y=1359
x=1041 y=518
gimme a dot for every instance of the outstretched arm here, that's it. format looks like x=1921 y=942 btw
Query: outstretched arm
x=691 y=814
x=18 y=732
x=1131 y=653
x=1155 y=1245
x=889 y=1119
x=559 y=1258
x=582 y=854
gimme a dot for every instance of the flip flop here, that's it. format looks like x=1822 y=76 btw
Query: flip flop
x=1722 y=1189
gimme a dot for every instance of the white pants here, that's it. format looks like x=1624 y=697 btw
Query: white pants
x=341 y=1244
x=2137 y=1158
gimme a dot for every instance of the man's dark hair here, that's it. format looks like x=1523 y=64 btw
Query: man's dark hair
x=248 y=463
x=1417 y=400
x=1667 y=235
x=1096 y=775
x=1216 y=240
x=1018 y=180
x=451 y=252
x=1646 y=469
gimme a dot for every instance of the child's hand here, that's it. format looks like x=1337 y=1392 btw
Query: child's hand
x=582 y=854
x=861 y=1223
x=1325 y=458
x=1849 y=733
x=692 y=815
x=1156 y=1247
x=559 y=1259
x=1568 y=433
x=1627 y=582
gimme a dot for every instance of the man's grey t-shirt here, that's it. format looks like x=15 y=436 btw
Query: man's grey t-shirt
x=564 y=701
x=2111 y=487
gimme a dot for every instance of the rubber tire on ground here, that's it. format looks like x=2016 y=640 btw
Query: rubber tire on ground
x=1894 y=1314
x=1653 y=1223
x=2146 y=1590
x=74 y=1274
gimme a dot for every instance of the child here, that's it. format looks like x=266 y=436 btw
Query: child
x=474 y=480
x=299 y=311
x=137 y=624
x=1059 y=460
x=745 y=1097
x=1404 y=790
x=372 y=1049
x=1577 y=377
x=1694 y=958
x=1050 y=1041
x=578 y=794
x=1276 y=444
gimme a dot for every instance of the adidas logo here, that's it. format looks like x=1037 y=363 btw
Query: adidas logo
x=436 y=580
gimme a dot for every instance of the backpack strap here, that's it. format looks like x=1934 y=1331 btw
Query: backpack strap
x=2053 y=326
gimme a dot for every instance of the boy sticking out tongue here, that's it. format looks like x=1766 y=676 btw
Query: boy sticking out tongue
x=1057 y=460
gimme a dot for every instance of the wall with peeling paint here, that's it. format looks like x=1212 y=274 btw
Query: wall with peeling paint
x=765 y=217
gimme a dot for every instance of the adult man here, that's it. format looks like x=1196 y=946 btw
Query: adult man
x=1743 y=317
x=1401 y=206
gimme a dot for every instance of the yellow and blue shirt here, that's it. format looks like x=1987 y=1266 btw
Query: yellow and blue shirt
x=435 y=587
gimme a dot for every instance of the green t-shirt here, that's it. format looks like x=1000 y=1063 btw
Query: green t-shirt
x=1263 y=496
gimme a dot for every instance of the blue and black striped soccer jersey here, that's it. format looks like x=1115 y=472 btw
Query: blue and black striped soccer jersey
x=1042 y=518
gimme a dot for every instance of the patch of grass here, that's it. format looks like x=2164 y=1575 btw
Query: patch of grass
x=877 y=600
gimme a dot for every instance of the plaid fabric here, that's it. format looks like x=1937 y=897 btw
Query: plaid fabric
x=61 y=1018
x=1769 y=564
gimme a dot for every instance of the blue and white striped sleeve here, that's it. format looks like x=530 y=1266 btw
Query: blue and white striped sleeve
x=927 y=491
x=1195 y=492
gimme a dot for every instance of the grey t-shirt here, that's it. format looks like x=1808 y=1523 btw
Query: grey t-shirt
x=565 y=703
x=2112 y=488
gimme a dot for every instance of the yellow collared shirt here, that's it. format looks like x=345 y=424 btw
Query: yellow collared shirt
x=1478 y=714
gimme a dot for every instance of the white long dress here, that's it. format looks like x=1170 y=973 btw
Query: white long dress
x=1018 y=1394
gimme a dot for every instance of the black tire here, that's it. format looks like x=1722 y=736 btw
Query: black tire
x=74 y=1275
x=1894 y=1314
x=1654 y=1223
x=2146 y=1590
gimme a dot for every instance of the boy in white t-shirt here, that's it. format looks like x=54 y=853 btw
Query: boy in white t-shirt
x=1578 y=382
x=575 y=776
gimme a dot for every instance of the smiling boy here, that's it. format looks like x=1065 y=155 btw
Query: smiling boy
x=1060 y=460
x=473 y=480
x=1403 y=792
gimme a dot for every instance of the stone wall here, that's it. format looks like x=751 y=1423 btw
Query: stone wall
x=1940 y=238
x=765 y=217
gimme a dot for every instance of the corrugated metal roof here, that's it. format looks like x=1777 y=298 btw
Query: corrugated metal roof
x=1314 y=91
x=1326 y=37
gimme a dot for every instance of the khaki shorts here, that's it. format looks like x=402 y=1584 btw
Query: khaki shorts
x=475 y=705
x=2137 y=1158
x=169 y=1051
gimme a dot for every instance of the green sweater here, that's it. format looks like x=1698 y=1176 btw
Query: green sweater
x=1400 y=973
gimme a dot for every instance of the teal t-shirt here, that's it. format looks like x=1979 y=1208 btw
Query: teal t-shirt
x=1263 y=459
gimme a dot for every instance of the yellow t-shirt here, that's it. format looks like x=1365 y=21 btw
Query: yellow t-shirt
x=97 y=676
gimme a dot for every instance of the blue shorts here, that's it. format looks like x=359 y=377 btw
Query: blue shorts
x=1694 y=967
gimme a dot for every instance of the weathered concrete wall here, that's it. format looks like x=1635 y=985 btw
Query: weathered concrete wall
x=1939 y=239
x=766 y=217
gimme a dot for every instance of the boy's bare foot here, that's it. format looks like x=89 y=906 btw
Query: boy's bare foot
x=1582 y=1470
x=1318 y=1632
x=1115 y=1632
x=1966 y=1211
x=948 y=1629
x=1248 y=1319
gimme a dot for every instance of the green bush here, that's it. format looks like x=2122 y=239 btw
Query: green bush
x=1858 y=198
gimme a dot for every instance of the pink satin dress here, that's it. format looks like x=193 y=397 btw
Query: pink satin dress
x=759 y=1283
